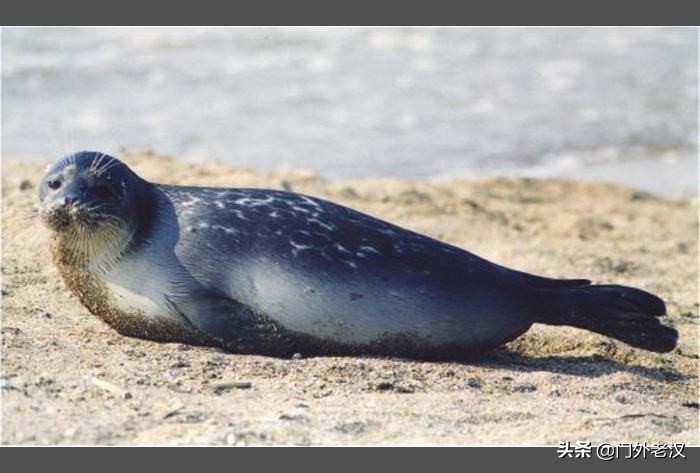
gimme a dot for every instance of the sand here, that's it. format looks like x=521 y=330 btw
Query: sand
x=67 y=378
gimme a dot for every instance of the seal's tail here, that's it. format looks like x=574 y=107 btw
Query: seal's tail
x=625 y=313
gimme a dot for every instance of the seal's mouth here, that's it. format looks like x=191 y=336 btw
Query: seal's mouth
x=72 y=216
x=87 y=236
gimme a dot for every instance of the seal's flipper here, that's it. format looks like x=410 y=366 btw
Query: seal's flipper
x=624 y=313
x=232 y=325
x=541 y=282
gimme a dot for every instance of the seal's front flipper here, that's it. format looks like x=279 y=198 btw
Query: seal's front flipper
x=624 y=313
x=231 y=325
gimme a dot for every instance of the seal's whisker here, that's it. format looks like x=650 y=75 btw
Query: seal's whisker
x=96 y=163
x=99 y=163
x=95 y=207
x=106 y=161
x=108 y=166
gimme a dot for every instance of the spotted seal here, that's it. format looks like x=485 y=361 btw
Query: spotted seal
x=270 y=272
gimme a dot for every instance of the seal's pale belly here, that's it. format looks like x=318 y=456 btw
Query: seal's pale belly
x=357 y=309
x=131 y=293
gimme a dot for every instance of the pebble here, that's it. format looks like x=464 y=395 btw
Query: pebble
x=190 y=417
x=112 y=388
x=216 y=360
x=349 y=193
x=621 y=398
x=293 y=417
x=11 y=331
x=355 y=427
x=387 y=386
x=297 y=356
x=640 y=195
x=525 y=387
x=223 y=387
x=473 y=383
x=5 y=386
x=175 y=406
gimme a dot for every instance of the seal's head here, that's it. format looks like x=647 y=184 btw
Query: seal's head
x=94 y=204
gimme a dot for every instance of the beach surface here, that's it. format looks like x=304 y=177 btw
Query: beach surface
x=67 y=378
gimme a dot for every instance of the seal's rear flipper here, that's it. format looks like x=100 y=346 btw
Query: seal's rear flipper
x=624 y=313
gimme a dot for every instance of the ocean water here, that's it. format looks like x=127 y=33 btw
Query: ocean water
x=613 y=104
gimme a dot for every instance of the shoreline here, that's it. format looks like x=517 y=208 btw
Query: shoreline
x=675 y=177
x=69 y=379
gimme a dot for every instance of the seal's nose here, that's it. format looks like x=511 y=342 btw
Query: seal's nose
x=69 y=200
x=72 y=194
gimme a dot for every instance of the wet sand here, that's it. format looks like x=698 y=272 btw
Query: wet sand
x=67 y=378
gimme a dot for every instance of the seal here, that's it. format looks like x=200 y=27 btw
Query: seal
x=269 y=272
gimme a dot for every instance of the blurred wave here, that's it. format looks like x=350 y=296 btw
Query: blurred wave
x=350 y=102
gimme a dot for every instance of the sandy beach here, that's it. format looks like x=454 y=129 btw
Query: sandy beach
x=67 y=378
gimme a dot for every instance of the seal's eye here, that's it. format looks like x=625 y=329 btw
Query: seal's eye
x=101 y=192
x=54 y=184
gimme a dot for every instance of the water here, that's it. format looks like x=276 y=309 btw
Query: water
x=614 y=104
